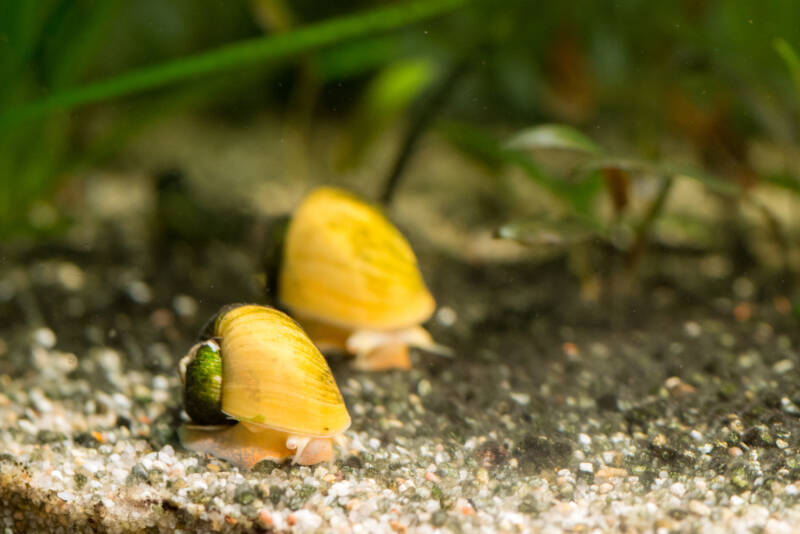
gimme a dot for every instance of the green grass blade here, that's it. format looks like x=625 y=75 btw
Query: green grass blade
x=784 y=180
x=789 y=56
x=553 y=136
x=87 y=28
x=360 y=56
x=20 y=27
x=236 y=55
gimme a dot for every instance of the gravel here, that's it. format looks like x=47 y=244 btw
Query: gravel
x=670 y=407
x=547 y=422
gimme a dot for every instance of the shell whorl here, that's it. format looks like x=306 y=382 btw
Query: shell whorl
x=274 y=376
x=346 y=264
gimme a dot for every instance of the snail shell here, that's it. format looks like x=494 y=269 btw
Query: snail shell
x=347 y=269
x=273 y=381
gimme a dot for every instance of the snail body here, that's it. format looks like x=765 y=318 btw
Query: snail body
x=350 y=277
x=273 y=385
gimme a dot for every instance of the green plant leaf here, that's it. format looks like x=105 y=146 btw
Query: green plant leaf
x=79 y=42
x=553 y=137
x=786 y=181
x=791 y=59
x=359 y=57
x=545 y=231
x=486 y=148
x=21 y=26
x=237 y=55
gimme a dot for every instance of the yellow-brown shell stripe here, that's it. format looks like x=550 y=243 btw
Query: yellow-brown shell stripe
x=363 y=231
x=274 y=376
x=378 y=257
x=255 y=327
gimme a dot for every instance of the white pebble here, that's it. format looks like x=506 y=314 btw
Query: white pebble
x=513 y=518
x=692 y=329
x=446 y=316
x=698 y=508
x=783 y=366
x=160 y=382
x=586 y=467
x=66 y=496
x=340 y=489
x=774 y=526
x=306 y=520
x=39 y=401
x=92 y=466
x=122 y=402
x=520 y=398
x=423 y=388
x=678 y=489
x=184 y=305
x=45 y=337
x=70 y=276
x=584 y=440
x=139 y=292
x=167 y=454
x=27 y=427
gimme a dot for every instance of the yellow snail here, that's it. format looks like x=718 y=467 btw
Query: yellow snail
x=351 y=279
x=259 y=389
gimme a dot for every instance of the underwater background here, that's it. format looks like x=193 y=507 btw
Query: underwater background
x=557 y=288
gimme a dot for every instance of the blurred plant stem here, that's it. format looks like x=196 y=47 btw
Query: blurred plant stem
x=645 y=226
x=791 y=59
x=424 y=116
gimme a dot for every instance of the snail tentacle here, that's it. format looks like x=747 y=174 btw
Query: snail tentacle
x=310 y=451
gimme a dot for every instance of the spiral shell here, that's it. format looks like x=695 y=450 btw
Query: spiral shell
x=272 y=380
x=345 y=264
x=274 y=376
